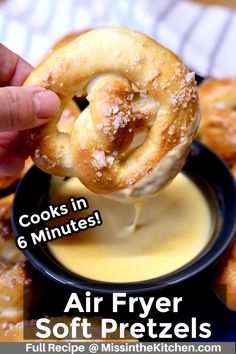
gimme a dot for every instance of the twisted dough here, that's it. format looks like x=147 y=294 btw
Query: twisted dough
x=68 y=118
x=13 y=278
x=218 y=130
x=218 y=123
x=8 y=251
x=143 y=111
x=62 y=41
x=13 y=275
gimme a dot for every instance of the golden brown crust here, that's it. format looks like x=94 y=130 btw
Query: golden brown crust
x=139 y=86
x=8 y=250
x=218 y=131
x=218 y=93
x=62 y=41
x=233 y=169
x=12 y=281
x=227 y=277
x=13 y=275
x=7 y=181
x=218 y=123
x=11 y=332
x=68 y=117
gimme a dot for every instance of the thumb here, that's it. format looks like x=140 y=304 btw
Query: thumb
x=26 y=107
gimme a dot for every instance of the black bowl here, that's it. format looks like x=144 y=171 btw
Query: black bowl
x=208 y=171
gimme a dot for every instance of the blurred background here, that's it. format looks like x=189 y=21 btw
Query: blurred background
x=202 y=32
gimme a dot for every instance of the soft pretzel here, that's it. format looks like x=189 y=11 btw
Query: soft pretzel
x=68 y=117
x=7 y=181
x=218 y=130
x=233 y=170
x=143 y=111
x=12 y=282
x=218 y=123
x=8 y=250
x=62 y=41
x=14 y=277
x=227 y=277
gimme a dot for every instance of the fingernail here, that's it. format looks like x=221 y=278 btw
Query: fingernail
x=46 y=103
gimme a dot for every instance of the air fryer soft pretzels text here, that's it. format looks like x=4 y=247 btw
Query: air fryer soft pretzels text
x=141 y=117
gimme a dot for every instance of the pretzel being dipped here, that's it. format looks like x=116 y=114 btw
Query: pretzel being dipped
x=218 y=123
x=134 y=135
x=68 y=118
x=61 y=42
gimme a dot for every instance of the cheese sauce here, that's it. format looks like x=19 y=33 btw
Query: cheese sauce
x=164 y=234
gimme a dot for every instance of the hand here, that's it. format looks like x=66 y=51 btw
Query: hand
x=20 y=108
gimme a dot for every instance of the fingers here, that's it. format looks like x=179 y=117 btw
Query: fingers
x=26 y=107
x=13 y=69
x=12 y=154
x=20 y=108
